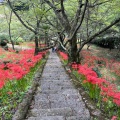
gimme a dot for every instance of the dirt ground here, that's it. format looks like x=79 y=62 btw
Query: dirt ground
x=104 y=52
x=114 y=54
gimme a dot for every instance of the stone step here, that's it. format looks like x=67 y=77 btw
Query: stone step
x=77 y=118
x=56 y=85
x=59 y=118
x=56 y=98
x=66 y=111
x=54 y=77
x=47 y=118
x=45 y=101
x=65 y=91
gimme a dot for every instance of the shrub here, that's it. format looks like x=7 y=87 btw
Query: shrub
x=19 y=40
x=3 y=39
x=108 y=42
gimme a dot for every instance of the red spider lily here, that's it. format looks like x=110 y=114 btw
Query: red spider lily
x=91 y=60
x=9 y=93
x=74 y=66
x=117 y=102
x=117 y=95
x=84 y=81
x=64 y=55
x=114 y=118
x=2 y=83
x=102 y=93
x=105 y=99
x=19 y=65
x=107 y=90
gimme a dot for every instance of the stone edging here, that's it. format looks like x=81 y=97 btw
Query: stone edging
x=23 y=107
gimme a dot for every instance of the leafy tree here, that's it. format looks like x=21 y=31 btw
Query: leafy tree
x=84 y=18
x=35 y=14
x=9 y=26
x=78 y=22
x=4 y=41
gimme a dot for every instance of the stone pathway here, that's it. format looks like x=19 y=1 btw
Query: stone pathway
x=56 y=98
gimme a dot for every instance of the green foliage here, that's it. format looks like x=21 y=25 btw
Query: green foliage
x=71 y=7
x=65 y=62
x=100 y=16
x=108 y=42
x=20 y=6
x=16 y=27
x=4 y=39
x=39 y=12
x=19 y=40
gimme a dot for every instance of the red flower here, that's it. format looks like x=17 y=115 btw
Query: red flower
x=114 y=118
x=85 y=81
x=2 y=83
x=19 y=66
x=9 y=93
x=117 y=102
x=105 y=99
x=64 y=55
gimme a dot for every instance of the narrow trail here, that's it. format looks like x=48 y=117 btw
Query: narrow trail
x=18 y=47
x=56 y=98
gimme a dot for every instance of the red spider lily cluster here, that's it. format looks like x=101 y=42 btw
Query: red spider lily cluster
x=64 y=55
x=90 y=60
x=17 y=65
x=114 y=118
x=108 y=91
x=97 y=86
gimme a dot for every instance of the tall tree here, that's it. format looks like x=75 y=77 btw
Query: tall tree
x=9 y=24
x=37 y=12
x=71 y=27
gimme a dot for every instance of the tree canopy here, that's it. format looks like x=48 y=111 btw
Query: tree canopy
x=73 y=19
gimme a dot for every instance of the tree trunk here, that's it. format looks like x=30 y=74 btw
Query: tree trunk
x=61 y=38
x=73 y=56
x=10 y=36
x=36 y=44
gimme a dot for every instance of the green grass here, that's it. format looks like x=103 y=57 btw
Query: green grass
x=2 y=56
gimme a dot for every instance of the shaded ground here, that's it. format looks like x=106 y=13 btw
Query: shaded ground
x=104 y=52
x=19 y=47
x=107 y=72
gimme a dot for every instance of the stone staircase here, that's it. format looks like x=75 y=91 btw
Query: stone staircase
x=56 y=98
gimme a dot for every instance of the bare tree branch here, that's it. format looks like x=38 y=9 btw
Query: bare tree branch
x=98 y=33
x=64 y=14
x=51 y=5
x=75 y=31
x=77 y=16
x=54 y=9
x=30 y=24
x=50 y=22
x=31 y=29
x=61 y=44
x=97 y=4
x=62 y=17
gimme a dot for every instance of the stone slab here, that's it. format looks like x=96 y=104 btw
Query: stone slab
x=66 y=111
x=47 y=118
